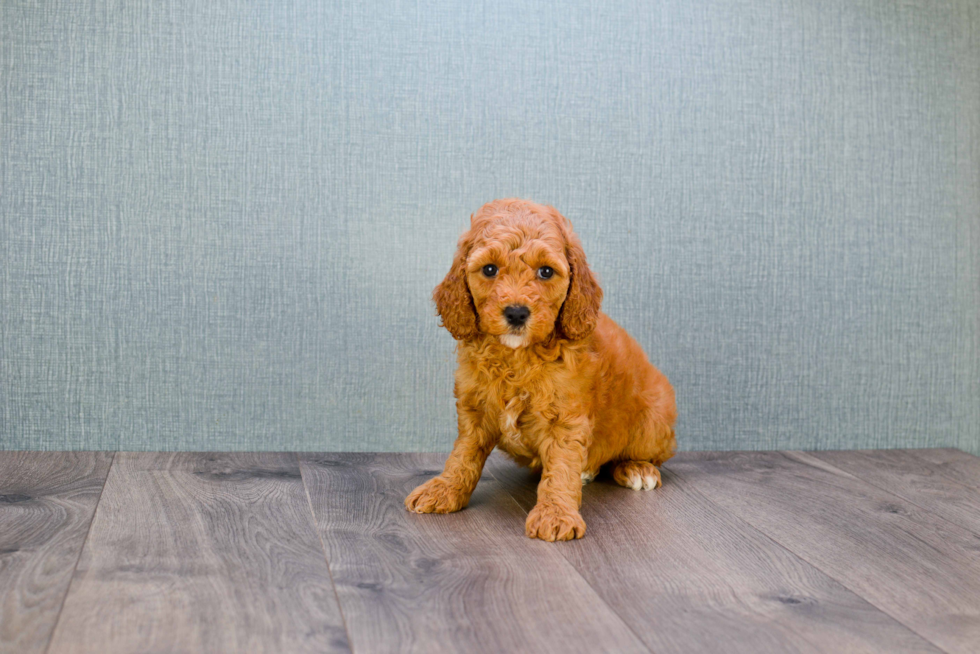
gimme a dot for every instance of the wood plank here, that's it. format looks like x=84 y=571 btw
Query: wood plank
x=958 y=465
x=464 y=582
x=904 y=474
x=47 y=500
x=913 y=565
x=205 y=553
x=688 y=577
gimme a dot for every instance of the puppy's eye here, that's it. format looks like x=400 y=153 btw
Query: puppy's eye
x=490 y=270
x=544 y=272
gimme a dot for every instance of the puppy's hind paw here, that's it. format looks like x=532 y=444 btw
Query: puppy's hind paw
x=638 y=475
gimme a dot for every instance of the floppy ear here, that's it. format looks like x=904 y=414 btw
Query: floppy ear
x=452 y=296
x=578 y=315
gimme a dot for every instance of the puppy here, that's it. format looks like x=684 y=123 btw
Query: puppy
x=543 y=374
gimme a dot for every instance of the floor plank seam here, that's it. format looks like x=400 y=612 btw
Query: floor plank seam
x=323 y=549
x=938 y=469
x=816 y=566
x=577 y=573
x=913 y=502
x=78 y=558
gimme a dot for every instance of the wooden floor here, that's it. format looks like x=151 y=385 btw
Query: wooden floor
x=738 y=552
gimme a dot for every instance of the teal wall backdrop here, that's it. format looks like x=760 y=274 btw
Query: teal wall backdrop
x=220 y=222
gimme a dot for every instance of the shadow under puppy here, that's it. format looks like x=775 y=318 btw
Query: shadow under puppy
x=543 y=374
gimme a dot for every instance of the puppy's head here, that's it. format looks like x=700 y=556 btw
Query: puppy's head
x=520 y=275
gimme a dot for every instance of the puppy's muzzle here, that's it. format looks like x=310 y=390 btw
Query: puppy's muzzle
x=516 y=315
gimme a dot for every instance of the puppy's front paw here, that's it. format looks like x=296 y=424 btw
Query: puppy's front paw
x=435 y=496
x=553 y=522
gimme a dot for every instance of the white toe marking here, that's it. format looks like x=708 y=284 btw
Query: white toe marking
x=587 y=477
x=649 y=482
x=636 y=483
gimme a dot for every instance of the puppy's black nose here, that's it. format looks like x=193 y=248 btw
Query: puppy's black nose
x=516 y=315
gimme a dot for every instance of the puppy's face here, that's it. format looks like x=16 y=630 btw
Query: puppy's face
x=520 y=275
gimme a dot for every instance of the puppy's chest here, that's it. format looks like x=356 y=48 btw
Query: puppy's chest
x=520 y=414
x=509 y=424
x=508 y=420
x=520 y=400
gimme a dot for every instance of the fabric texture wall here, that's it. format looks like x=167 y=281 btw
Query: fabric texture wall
x=221 y=222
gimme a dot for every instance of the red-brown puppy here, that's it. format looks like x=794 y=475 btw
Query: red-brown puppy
x=543 y=374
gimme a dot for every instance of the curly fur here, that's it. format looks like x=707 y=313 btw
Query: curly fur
x=566 y=393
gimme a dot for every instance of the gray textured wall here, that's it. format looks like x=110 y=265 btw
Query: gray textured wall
x=220 y=222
